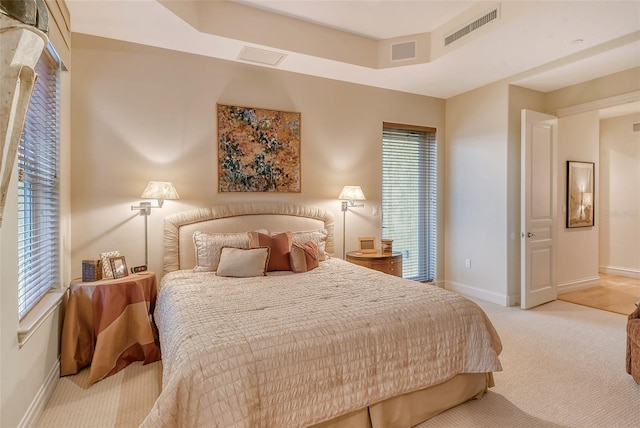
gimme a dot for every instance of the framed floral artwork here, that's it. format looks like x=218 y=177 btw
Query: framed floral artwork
x=258 y=150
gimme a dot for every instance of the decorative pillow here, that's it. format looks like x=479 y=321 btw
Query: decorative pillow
x=279 y=248
x=243 y=263
x=208 y=246
x=304 y=257
x=318 y=236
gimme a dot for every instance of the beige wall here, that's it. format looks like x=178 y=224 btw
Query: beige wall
x=619 y=203
x=578 y=140
x=476 y=192
x=144 y=113
x=28 y=373
x=616 y=84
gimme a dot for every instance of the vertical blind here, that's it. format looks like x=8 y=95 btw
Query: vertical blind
x=38 y=189
x=409 y=197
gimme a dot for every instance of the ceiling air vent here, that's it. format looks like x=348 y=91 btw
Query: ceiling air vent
x=403 y=51
x=473 y=26
x=636 y=127
x=261 y=56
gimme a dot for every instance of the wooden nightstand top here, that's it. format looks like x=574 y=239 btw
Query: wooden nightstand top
x=378 y=255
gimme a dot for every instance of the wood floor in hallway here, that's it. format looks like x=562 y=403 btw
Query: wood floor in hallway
x=614 y=293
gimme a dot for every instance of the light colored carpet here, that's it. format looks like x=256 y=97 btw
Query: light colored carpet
x=121 y=400
x=563 y=367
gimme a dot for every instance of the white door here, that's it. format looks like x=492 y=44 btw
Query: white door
x=538 y=209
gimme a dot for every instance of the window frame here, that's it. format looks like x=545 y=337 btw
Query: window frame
x=423 y=173
x=39 y=205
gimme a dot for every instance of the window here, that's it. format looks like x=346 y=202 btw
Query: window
x=409 y=197
x=38 y=189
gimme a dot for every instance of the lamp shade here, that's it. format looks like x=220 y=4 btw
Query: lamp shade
x=160 y=190
x=352 y=193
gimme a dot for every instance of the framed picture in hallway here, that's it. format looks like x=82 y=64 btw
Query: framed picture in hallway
x=258 y=150
x=580 y=194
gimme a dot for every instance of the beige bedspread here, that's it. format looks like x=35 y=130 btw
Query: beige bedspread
x=292 y=350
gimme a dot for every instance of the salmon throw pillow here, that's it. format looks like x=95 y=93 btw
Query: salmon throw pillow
x=304 y=257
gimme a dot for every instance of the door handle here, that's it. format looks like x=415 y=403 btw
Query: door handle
x=529 y=234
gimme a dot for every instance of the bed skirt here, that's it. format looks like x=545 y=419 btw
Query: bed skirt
x=410 y=409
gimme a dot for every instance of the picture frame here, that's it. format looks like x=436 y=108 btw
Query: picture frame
x=258 y=150
x=107 y=273
x=367 y=244
x=118 y=267
x=580 y=210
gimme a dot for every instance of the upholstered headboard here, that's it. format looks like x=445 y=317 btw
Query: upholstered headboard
x=179 y=251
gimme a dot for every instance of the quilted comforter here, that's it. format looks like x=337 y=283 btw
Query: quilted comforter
x=292 y=350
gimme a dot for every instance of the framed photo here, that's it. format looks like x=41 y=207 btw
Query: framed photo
x=367 y=244
x=118 y=267
x=107 y=273
x=580 y=194
x=258 y=150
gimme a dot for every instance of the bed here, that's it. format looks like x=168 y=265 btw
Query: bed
x=339 y=345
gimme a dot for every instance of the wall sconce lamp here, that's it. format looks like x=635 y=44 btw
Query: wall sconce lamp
x=348 y=195
x=159 y=190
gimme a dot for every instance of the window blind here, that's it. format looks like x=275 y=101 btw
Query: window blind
x=409 y=197
x=38 y=189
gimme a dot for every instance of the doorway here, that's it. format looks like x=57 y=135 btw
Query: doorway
x=617 y=285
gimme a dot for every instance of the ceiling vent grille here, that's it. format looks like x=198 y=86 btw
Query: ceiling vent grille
x=636 y=127
x=473 y=26
x=261 y=56
x=403 y=51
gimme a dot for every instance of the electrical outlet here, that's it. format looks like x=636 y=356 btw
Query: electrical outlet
x=467 y=263
x=375 y=210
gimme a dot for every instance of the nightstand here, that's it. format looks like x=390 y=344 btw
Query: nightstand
x=108 y=324
x=390 y=263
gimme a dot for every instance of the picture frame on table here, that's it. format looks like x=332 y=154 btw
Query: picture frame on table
x=106 y=265
x=118 y=267
x=367 y=244
x=580 y=194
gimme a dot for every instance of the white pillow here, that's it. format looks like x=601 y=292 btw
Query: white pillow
x=241 y=263
x=318 y=236
x=208 y=246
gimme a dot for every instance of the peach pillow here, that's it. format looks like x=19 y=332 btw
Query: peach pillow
x=279 y=248
x=304 y=257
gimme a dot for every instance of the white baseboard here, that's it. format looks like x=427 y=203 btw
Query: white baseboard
x=579 y=284
x=622 y=271
x=46 y=391
x=489 y=296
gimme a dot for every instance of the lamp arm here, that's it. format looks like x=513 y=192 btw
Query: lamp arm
x=145 y=207
x=350 y=204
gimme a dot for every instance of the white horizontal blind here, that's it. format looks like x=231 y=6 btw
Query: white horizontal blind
x=409 y=197
x=38 y=189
